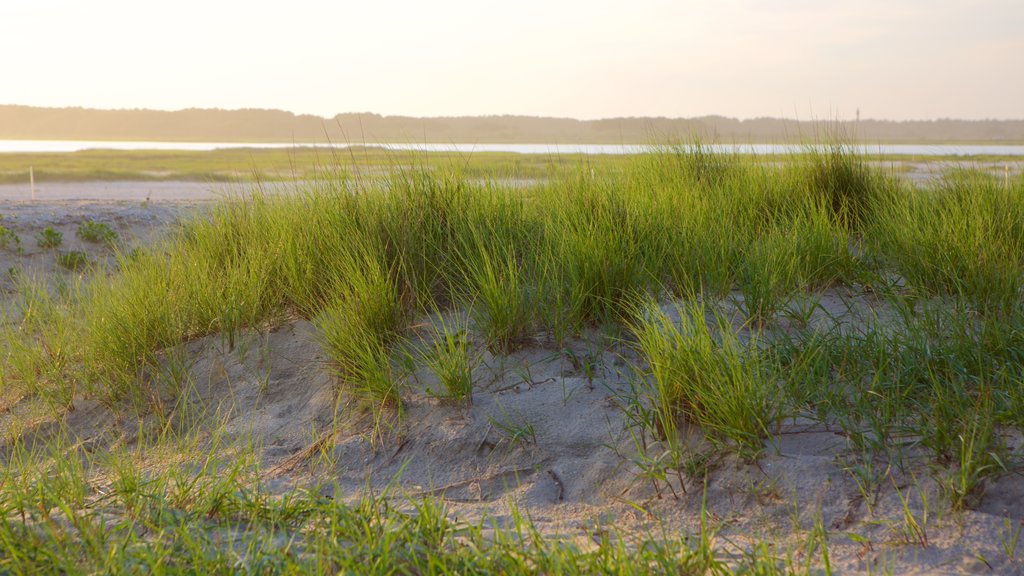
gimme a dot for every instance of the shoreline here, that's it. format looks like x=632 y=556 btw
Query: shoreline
x=192 y=191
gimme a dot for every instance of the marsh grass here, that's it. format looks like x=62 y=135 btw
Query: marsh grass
x=274 y=164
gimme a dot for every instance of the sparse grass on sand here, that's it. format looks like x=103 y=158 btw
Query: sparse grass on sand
x=710 y=267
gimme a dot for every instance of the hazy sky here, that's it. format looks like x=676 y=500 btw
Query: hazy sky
x=898 y=59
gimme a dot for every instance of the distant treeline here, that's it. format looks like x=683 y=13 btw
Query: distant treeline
x=257 y=125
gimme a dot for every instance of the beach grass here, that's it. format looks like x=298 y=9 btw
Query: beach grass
x=739 y=248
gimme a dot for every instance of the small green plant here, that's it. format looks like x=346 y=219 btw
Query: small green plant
x=801 y=309
x=1010 y=537
x=449 y=358
x=818 y=540
x=9 y=239
x=868 y=475
x=49 y=238
x=514 y=427
x=73 y=260
x=588 y=363
x=915 y=526
x=960 y=428
x=96 y=232
x=657 y=462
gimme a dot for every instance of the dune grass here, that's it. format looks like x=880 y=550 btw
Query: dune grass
x=706 y=375
x=360 y=257
x=962 y=238
x=203 y=513
x=740 y=244
x=96 y=232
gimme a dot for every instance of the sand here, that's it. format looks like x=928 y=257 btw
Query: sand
x=541 y=434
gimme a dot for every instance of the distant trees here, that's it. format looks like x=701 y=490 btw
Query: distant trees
x=261 y=125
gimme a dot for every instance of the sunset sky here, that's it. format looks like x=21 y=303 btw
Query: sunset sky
x=892 y=59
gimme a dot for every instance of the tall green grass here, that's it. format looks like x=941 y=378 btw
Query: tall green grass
x=360 y=258
x=936 y=369
x=707 y=376
x=963 y=238
x=576 y=248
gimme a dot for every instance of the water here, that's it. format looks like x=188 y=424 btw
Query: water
x=965 y=150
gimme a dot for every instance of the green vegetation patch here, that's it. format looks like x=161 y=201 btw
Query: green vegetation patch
x=49 y=238
x=73 y=260
x=744 y=250
x=96 y=232
x=9 y=239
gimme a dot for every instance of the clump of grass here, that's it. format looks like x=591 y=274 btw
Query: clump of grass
x=96 y=232
x=959 y=426
x=9 y=239
x=598 y=244
x=49 y=238
x=961 y=238
x=450 y=359
x=360 y=324
x=848 y=185
x=421 y=221
x=710 y=378
x=73 y=260
x=514 y=427
x=767 y=278
x=501 y=309
x=692 y=163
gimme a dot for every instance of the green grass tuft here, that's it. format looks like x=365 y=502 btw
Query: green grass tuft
x=96 y=232
x=708 y=377
x=49 y=238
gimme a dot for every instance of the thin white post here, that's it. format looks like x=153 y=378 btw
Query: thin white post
x=32 y=182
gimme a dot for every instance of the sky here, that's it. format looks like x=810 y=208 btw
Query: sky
x=806 y=59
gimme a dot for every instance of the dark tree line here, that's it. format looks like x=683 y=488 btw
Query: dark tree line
x=258 y=125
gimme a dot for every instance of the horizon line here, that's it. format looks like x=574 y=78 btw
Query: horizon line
x=511 y=115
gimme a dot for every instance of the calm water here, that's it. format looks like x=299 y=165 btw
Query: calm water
x=904 y=149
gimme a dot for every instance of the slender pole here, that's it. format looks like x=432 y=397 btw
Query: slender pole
x=32 y=182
